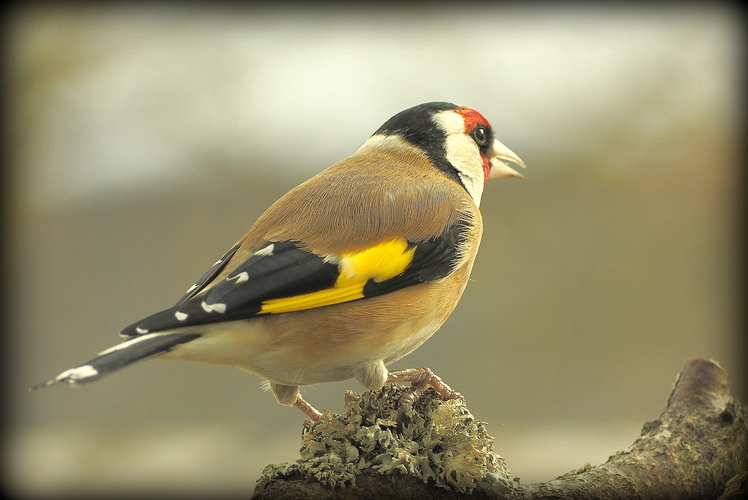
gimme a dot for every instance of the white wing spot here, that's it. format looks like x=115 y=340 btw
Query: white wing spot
x=191 y=288
x=217 y=307
x=141 y=330
x=268 y=250
x=241 y=277
x=180 y=316
x=75 y=375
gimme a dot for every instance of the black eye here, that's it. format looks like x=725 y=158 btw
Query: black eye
x=480 y=134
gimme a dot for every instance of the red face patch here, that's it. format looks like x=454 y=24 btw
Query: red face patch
x=473 y=118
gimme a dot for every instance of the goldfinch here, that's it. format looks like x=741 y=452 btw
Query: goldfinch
x=346 y=273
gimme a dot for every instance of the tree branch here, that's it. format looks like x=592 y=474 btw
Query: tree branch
x=689 y=452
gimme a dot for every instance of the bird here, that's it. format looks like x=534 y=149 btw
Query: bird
x=346 y=273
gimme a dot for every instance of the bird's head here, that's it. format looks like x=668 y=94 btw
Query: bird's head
x=457 y=139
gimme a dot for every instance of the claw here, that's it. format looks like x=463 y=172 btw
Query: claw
x=306 y=426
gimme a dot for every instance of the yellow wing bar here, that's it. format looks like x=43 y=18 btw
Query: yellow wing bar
x=380 y=262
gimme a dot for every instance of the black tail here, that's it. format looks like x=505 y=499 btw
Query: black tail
x=121 y=355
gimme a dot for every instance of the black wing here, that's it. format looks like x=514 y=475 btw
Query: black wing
x=208 y=276
x=283 y=276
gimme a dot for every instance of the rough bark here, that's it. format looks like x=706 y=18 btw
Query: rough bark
x=690 y=452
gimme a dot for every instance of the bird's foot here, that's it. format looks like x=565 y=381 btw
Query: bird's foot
x=420 y=379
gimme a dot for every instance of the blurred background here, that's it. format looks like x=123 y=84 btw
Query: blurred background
x=143 y=141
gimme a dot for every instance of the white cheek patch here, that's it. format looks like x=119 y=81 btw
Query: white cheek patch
x=463 y=153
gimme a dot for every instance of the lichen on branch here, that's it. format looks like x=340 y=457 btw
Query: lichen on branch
x=439 y=442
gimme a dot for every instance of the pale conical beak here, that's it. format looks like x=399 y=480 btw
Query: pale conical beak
x=500 y=168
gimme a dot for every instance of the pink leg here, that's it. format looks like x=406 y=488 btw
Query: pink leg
x=308 y=410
